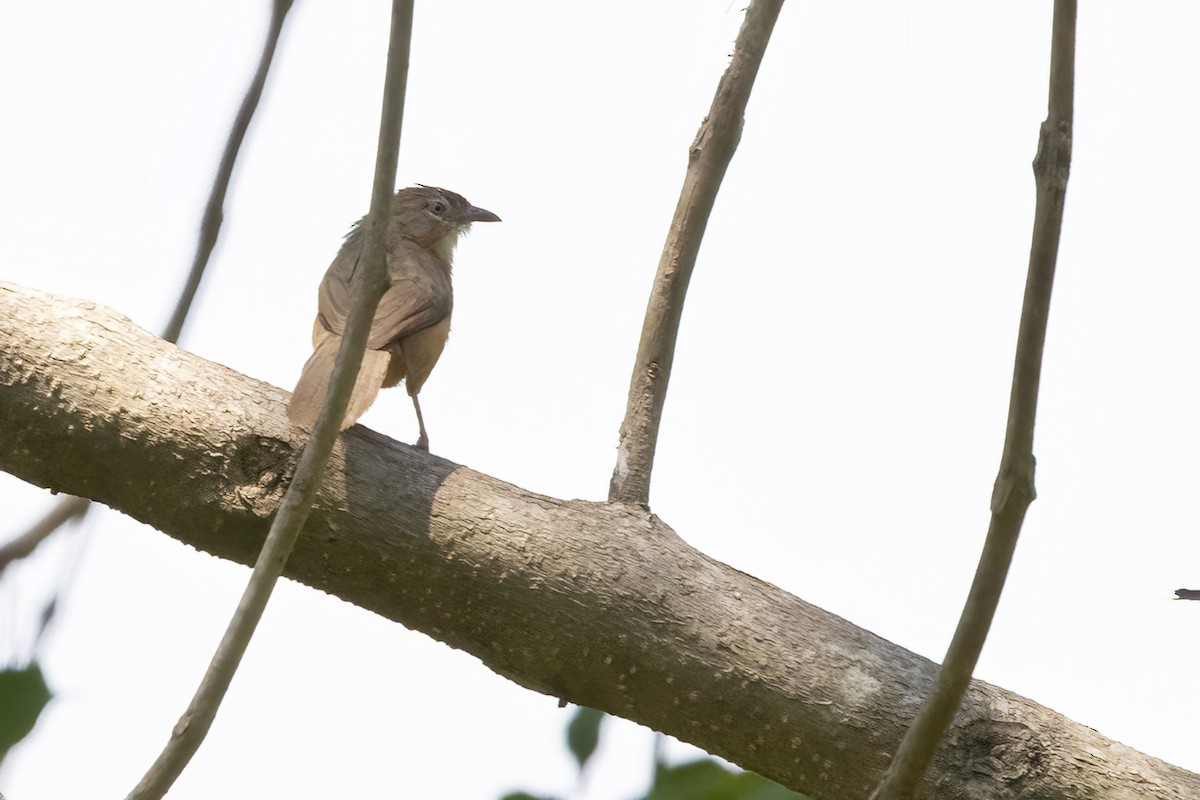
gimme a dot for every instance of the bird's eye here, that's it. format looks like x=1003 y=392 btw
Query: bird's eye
x=438 y=208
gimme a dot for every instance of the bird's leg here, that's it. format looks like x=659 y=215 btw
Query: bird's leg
x=423 y=439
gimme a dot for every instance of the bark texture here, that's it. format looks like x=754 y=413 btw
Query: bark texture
x=602 y=605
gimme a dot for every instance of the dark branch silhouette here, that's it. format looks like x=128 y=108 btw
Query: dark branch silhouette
x=296 y=504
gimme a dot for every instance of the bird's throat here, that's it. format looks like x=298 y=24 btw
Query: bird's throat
x=444 y=247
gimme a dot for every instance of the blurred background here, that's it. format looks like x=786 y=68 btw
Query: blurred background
x=838 y=404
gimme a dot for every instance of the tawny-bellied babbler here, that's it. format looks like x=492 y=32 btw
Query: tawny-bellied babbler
x=413 y=319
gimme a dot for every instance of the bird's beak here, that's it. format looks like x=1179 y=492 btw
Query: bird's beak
x=476 y=214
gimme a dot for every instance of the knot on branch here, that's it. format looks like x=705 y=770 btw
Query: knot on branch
x=994 y=751
x=258 y=469
x=1052 y=164
x=1015 y=481
x=702 y=136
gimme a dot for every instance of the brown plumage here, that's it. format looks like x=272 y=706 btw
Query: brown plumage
x=413 y=319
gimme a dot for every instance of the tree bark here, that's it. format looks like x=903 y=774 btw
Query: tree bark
x=602 y=605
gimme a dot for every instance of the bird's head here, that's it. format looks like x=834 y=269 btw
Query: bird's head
x=435 y=218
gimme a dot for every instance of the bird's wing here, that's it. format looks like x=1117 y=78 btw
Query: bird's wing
x=418 y=298
x=333 y=296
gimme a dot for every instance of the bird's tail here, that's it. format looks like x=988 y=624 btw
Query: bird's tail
x=309 y=394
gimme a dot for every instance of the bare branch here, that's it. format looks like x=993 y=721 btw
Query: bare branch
x=1014 y=489
x=210 y=226
x=297 y=502
x=708 y=159
x=65 y=510
x=600 y=604
x=214 y=210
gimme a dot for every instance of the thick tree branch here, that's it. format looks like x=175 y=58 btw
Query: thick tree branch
x=708 y=159
x=1014 y=488
x=600 y=604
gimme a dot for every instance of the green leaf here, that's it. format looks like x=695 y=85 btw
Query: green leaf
x=583 y=734
x=756 y=787
x=23 y=696
x=706 y=779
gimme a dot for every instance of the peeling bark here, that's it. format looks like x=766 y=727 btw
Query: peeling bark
x=602 y=605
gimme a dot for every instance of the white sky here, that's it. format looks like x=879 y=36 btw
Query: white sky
x=837 y=408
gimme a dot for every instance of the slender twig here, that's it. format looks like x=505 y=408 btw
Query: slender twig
x=1014 y=489
x=210 y=228
x=370 y=282
x=65 y=510
x=214 y=213
x=708 y=159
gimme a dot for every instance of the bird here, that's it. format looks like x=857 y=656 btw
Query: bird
x=412 y=322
